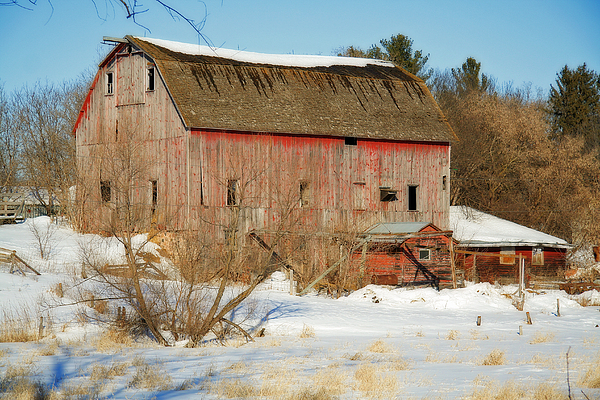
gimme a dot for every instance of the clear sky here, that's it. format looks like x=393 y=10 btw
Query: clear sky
x=516 y=41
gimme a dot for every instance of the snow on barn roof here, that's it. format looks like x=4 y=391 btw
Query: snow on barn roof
x=289 y=60
x=396 y=228
x=478 y=229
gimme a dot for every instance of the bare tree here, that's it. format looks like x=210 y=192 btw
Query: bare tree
x=9 y=144
x=44 y=115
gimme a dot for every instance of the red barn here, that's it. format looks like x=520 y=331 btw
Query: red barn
x=337 y=143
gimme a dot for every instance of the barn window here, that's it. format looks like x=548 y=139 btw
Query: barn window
x=507 y=255
x=105 y=191
x=350 y=141
x=444 y=182
x=424 y=254
x=304 y=194
x=110 y=85
x=154 y=195
x=537 y=256
x=387 y=194
x=232 y=192
x=412 y=198
x=150 y=79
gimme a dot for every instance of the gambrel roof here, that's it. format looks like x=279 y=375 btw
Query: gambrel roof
x=306 y=95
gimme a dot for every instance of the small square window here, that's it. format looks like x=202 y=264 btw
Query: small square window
x=507 y=256
x=537 y=256
x=424 y=254
x=350 y=141
x=110 y=86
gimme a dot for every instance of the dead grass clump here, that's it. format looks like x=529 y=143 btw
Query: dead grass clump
x=107 y=372
x=16 y=383
x=150 y=377
x=378 y=347
x=112 y=340
x=546 y=391
x=49 y=350
x=591 y=377
x=436 y=357
x=542 y=338
x=397 y=364
x=67 y=392
x=476 y=335
x=332 y=380
x=312 y=394
x=496 y=357
x=374 y=381
x=307 y=332
x=233 y=389
x=452 y=335
x=494 y=391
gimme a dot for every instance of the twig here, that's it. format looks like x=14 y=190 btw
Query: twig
x=568 y=381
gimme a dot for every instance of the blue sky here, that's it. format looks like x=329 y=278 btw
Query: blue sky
x=516 y=41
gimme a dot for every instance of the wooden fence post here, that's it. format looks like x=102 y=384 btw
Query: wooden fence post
x=41 y=328
x=479 y=320
x=558 y=307
x=529 y=322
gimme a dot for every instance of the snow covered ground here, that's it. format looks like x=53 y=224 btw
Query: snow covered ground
x=377 y=342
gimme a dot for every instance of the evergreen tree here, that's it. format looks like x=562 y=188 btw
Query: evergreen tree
x=574 y=104
x=398 y=50
x=468 y=78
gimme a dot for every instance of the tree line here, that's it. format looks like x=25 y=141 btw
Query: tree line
x=37 y=147
x=522 y=156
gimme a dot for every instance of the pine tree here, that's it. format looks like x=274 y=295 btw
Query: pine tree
x=468 y=78
x=574 y=104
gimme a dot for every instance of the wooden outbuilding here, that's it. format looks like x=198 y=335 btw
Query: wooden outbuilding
x=330 y=143
x=406 y=254
x=489 y=249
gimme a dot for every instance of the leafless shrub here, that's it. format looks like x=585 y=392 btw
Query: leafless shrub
x=43 y=232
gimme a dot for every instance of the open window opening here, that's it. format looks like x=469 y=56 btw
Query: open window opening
x=444 y=182
x=105 y=191
x=150 y=79
x=304 y=194
x=110 y=86
x=232 y=192
x=424 y=254
x=154 y=196
x=350 y=141
x=412 y=198
x=387 y=194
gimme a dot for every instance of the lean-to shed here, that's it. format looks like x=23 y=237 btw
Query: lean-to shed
x=489 y=247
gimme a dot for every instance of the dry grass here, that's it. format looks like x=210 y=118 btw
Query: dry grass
x=233 y=389
x=307 y=332
x=375 y=382
x=16 y=383
x=331 y=380
x=542 y=338
x=100 y=372
x=49 y=350
x=436 y=357
x=311 y=394
x=379 y=346
x=476 y=335
x=591 y=377
x=496 y=357
x=113 y=340
x=151 y=377
x=19 y=327
x=512 y=391
x=452 y=335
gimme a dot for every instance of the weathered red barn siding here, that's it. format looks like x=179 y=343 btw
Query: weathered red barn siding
x=273 y=165
x=489 y=269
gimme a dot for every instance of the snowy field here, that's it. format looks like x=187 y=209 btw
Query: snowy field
x=375 y=343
